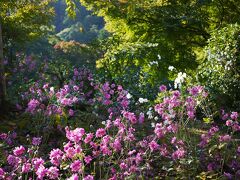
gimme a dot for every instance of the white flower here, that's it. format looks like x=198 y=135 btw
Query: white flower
x=180 y=79
x=153 y=124
x=150 y=114
x=170 y=68
x=159 y=57
x=52 y=89
x=152 y=63
x=198 y=102
x=142 y=100
x=129 y=96
x=152 y=44
x=156 y=118
x=103 y=122
x=166 y=122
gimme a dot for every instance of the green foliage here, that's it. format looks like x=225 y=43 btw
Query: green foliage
x=71 y=7
x=83 y=27
x=76 y=53
x=220 y=72
x=76 y=32
x=178 y=29
x=24 y=20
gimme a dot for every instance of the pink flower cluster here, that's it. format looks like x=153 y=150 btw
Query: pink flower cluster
x=123 y=146
x=81 y=89
x=174 y=106
x=231 y=120
x=114 y=97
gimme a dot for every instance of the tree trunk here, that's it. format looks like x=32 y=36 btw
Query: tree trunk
x=3 y=91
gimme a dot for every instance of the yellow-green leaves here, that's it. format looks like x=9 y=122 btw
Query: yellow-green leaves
x=22 y=20
x=71 y=7
x=207 y=120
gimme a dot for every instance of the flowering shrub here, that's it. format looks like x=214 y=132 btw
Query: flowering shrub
x=125 y=139
x=82 y=101
x=175 y=106
x=27 y=70
x=121 y=148
x=45 y=99
x=220 y=150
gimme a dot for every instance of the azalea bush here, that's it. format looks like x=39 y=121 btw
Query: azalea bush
x=28 y=70
x=84 y=128
x=175 y=136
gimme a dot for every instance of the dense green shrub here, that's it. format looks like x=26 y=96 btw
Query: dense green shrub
x=221 y=70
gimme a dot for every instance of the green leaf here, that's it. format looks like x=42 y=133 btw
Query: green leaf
x=71 y=7
x=207 y=120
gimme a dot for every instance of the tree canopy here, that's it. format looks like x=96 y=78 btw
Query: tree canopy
x=24 y=20
x=175 y=31
x=83 y=27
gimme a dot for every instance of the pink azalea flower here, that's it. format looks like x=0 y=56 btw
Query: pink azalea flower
x=162 y=88
x=41 y=172
x=26 y=167
x=153 y=146
x=36 y=141
x=37 y=162
x=18 y=151
x=100 y=132
x=76 y=166
x=88 y=177
x=88 y=159
x=56 y=156
x=53 y=172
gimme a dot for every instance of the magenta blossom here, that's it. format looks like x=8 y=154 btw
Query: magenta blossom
x=75 y=135
x=37 y=162
x=88 y=177
x=56 y=156
x=225 y=138
x=162 y=88
x=41 y=172
x=88 y=159
x=3 y=136
x=32 y=105
x=36 y=141
x=178 y=154
x=53 y=172
x=88 y=138
x=130 y=116
x=71 y=112
x=26 y=167
x=13 y=160
x=18 y=151
x=76 y=166
x=100 y=132
x=153 y=145
x=234 y=115
x=2 y=173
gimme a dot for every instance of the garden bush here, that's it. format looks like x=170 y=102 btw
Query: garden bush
x=175 y=136
x=220 y=72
